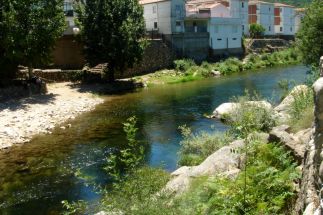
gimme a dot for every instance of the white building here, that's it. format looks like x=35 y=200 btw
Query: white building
x=299 y=15
x=262 y=13
x=284 y=19
x=225 y=31
x=69 y=16
x=164 y=16
x=239 y=9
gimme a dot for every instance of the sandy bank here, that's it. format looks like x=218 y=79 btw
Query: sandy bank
x=21 y=119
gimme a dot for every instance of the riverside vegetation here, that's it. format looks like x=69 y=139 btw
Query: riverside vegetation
x=186 y=70
x=266 y=184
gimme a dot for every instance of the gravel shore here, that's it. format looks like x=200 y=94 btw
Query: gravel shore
x=21 y=119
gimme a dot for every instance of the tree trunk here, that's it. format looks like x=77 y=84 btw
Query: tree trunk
x=111 y=77
x=30 y=72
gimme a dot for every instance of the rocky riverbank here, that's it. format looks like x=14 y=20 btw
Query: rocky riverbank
x=21 y=119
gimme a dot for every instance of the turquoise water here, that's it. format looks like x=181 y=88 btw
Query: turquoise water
x=37 y=176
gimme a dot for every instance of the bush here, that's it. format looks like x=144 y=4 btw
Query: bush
x=250 y=117
x=302 y=111
x=184 y=65
x=266 y=187
x=256 y=30
x=197 y=147
x=137 y=194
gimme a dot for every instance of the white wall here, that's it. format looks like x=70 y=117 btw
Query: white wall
x=220 y=11
x=239 y=9
x=159 y=12
x=225 y=33
x=298 y=21
x=266 y=18
x=287 y=24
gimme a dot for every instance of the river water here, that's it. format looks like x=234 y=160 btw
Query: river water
x=37 y=176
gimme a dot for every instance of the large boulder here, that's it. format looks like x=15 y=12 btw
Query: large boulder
x=226 y=109
x=285 y=105
x=292 y=142
x=225 y=161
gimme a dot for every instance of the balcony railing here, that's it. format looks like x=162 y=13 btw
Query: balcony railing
x=196 y=29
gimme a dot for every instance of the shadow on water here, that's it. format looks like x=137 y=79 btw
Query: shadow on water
x=36 y=177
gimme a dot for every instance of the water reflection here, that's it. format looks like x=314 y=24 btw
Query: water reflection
x=34 y=178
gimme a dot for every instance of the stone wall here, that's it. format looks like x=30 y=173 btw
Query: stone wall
x=191 y=45
x=310 y=199
x=68 y=53
x=157 y=56
x=267 y=45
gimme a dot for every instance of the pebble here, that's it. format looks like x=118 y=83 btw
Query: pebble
x=18 y=125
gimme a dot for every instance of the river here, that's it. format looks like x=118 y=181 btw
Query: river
x=36 y=177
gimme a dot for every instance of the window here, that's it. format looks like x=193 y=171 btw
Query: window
x=280 y=9
x=178 y=23
x=281 y=29
x=242 y=27
x=155 y=25
x=154 y=9
x=242 y=4
x=68 y=9
x=219 y=39
x=291 y=29
x=269 y=29
x=178 y=10
x=269 y=8
x=234 y=38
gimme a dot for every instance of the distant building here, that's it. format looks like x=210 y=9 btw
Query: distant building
x=69 y=16
x=284 y=19
x=262 y=13
x=299 y=15
x=239 y=9
x=164 y=16
x=215 y=17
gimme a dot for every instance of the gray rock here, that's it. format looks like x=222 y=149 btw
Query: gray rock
x=285 y=106
x=225 y=161
x=215 y=73
x=292 y=143
x=226 y=109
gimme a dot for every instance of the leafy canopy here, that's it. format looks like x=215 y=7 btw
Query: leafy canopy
x=112 y=31
x=310 y=35
x=29 y=29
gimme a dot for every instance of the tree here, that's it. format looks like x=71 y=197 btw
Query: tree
x=256 y=30
x=309 y=39
x=29 y=29
x=112 y=32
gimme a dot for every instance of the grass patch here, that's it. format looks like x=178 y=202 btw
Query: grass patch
x=186 y=70
x=250 y=117
x=265 y=188
x=302 y=110
x=197 y=147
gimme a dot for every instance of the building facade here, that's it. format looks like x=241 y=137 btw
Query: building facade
x=299 y=15
x=284 y=19
x=164 y=16
x=262 y=13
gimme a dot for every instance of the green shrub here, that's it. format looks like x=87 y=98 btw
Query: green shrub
x=137 y=194
x=302 y=111
x=302 y=100
x=250 y=117
x=266 y=187
x=256 y=30
x=197 y=147
x=184 y=64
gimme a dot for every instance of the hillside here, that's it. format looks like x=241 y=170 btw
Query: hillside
x=297 y=3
